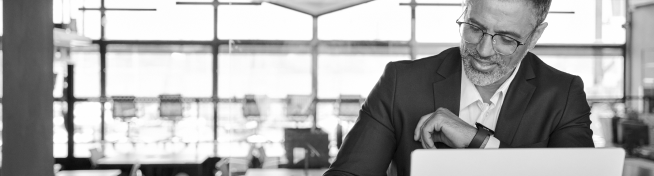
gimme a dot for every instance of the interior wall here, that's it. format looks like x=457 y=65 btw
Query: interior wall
x=640 y=77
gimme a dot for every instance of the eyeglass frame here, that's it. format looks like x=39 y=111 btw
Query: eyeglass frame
x=484 y=33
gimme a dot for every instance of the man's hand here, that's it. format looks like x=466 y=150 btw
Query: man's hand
x=443 y=126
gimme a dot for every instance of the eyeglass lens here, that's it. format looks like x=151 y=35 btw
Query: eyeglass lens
x=502 y=44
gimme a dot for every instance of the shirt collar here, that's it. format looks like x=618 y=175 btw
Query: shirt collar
x=469 y=93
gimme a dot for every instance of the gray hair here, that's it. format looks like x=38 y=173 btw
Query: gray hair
x=540 y=8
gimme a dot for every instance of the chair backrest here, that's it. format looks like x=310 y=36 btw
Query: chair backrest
x=299 y=107
x=95 y=156
x=251 y=108
x=170 y=106
x=349 y=105
x=124 y=107
x=135 y=170
x=232 y=166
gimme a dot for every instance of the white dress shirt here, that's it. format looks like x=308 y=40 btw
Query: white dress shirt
x=472 y=108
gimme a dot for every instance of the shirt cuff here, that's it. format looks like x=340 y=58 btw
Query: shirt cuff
x=493 y=143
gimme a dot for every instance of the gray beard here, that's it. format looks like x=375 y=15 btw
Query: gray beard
x=480 y=78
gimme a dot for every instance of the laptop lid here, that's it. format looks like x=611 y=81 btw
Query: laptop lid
x=518 y=162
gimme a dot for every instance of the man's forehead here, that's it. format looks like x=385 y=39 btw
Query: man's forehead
x=506 y=15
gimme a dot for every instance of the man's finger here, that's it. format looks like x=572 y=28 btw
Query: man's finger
x=437 y=137
x=423 y=142
x=423 y=119
x=426 y=136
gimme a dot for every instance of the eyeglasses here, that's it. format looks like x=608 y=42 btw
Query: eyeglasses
x=502 y=44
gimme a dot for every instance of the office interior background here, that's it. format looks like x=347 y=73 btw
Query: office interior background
x=254 y=80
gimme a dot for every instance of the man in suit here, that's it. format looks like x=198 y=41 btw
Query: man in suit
x=490 y=92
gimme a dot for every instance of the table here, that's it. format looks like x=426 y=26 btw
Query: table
x=112 y=172
x=152 y=160
x=284 y=172
x=155 y=165
x=638 y=166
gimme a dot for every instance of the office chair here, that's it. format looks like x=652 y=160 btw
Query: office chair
x=251 y=111
x=171 y=109
x=299 y=108
x=348 y=107
x=135 y=171
x=124 y=109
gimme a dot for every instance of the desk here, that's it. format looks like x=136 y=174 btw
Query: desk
x=113 y=172
x=152 y=160
x=155 y=165
x=638 y=166
x=284 y=172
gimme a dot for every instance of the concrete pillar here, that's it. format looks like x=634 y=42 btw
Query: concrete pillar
x=28 y=82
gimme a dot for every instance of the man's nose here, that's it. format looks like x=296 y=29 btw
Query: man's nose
x=485 y=46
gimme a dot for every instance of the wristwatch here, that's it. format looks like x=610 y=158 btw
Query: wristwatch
x=482 y=133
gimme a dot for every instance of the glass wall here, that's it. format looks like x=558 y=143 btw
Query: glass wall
x=151 y=70
x=265 y=50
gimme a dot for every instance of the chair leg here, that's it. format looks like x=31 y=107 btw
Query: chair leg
x=129 y=125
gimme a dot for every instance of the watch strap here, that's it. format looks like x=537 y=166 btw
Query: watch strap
x=480 y=136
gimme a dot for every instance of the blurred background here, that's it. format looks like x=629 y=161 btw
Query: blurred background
x=209 y=87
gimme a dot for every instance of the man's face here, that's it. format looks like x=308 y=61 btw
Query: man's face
x=513 y=18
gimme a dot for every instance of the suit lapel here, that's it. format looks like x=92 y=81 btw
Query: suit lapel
x=515 y=103
x=447 y=90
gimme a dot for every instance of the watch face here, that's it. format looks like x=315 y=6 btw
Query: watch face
x=480 y=126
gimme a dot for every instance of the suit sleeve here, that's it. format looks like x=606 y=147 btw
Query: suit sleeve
x=369 y=147
x=573 y=129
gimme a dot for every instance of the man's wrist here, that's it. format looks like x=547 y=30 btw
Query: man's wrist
x=480 y=139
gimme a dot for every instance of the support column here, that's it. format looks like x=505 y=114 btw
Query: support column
x=314 y=72
x=412 y=42
x=28 y=83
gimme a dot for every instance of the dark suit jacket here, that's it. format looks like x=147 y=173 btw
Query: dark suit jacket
x=543 y=107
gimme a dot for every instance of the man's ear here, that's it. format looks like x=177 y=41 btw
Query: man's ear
x=537 y=33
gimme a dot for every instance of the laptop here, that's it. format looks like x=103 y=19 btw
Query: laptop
x=518 y=162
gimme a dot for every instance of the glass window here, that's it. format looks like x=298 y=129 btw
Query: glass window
x=87 y=3
x=141 y=4
x=60 y=135
x=437 y=24
x=272 y=74
x=151 y=70
x=571 y=28
x=265 y=22
x=87 y=128
x=603 y=76
x=57 y=11
x=582 y=25
x=87 y=122
x=176 y=22
x=149 y=126
x=88 y=24
x=87 y=72
x=60 y=70
x=376 y=20
x=351 y=73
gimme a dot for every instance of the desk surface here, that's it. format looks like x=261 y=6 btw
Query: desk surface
x=113 y=172
x=152 y=160
x=284 y=172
